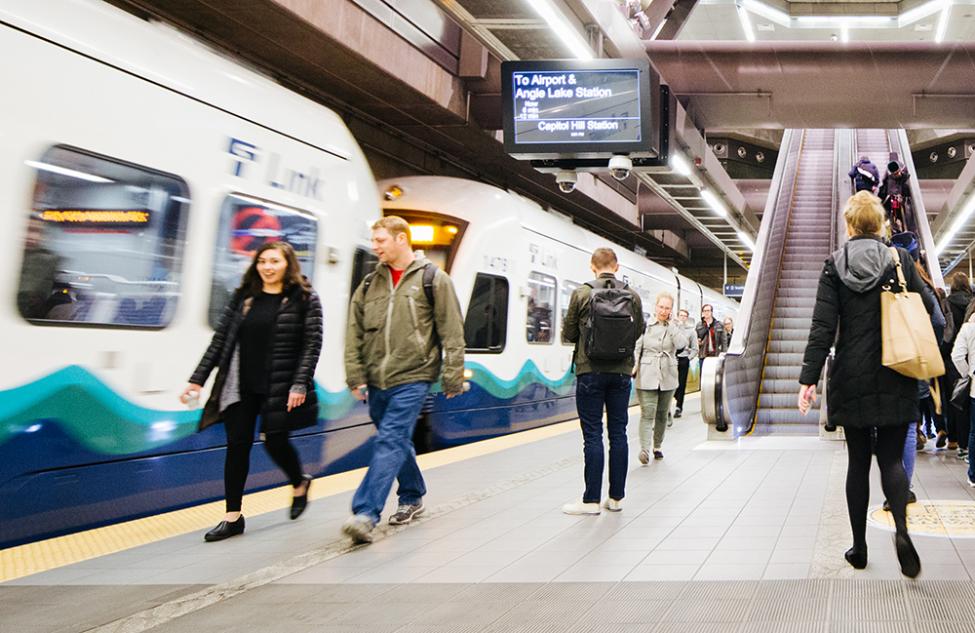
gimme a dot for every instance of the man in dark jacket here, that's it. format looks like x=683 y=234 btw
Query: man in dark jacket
x=895 y=189
x=865 y=175
x=600 y=385
x=395 y=347
x=956 y=433
x=710 y=334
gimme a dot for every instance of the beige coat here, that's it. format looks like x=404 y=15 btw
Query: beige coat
x=656 y=356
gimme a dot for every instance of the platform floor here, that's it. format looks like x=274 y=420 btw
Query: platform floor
x=732 y=536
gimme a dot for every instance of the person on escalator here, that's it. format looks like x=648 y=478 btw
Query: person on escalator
x=895 y=189
x=875 y=405
x=865 y=175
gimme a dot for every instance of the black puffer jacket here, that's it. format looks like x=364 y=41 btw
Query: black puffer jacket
x=862 y=392
x=958 y=302
x=295 y=346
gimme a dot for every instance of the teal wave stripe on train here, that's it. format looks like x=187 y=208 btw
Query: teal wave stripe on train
x=97 y=417
x=528 y=375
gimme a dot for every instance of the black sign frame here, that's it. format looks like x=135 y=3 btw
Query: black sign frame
x=581 y=149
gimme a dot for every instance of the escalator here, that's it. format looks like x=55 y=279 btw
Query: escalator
x=807 y=245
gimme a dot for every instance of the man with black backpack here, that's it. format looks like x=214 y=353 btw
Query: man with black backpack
x=604 y=320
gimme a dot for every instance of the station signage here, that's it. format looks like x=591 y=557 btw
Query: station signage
x=576 y=108
x=734 y=291
x=96 y=217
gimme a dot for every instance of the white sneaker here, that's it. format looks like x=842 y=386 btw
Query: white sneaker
x=581 y=508
x=971 y=483
x=644 y=457
x=613 y=505
x=359 y=528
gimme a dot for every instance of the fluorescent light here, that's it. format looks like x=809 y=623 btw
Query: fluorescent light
x=917 y=13
x=834 y=20
x=561 y=26
x=660 y=27
x=716 y=205
x=845 y=33
x=64 y=171
x=678 y=164
x=959 y=222
x=939 y=36
x=746 y=240
x=764 y=10
x=746 y=23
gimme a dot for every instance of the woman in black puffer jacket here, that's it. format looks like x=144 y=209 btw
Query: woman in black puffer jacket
x=874 y=404
x=265 y=349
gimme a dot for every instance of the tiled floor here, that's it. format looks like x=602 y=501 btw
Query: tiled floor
x=761 y=509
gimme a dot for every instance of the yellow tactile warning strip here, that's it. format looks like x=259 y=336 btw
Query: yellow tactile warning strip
x=944 y=519
x=32 y=558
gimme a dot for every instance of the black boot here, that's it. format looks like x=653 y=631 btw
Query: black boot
x=856 y=558
x=225 y=529
x=907 y=555
x=298 y=504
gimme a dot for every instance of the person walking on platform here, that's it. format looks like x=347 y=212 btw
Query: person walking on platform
x=603 y=320
x=265 y=349
x=963 y=357
x=729 y=331
x=957 y=423
x=865 y=175
x=656 y=375
x=710 y=334
x=876 y=405
x=685 y=354
x=405 y=325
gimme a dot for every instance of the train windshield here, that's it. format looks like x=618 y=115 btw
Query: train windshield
x=104 y=242
x=437 y=236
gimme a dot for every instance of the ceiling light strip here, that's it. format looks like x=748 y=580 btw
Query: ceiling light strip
x=557 y=21
x=746 y=23
x=939 y=35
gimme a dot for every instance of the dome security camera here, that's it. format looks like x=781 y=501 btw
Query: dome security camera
x=566 y=180
x=620 y=167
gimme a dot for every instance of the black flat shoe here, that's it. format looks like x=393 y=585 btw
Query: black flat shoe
x=298 y=504
x=857 y=559
x=225 y=529
x=907 y=556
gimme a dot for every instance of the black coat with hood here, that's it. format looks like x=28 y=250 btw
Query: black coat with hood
x=958 y=302
x=862 y=392
x=295 y=345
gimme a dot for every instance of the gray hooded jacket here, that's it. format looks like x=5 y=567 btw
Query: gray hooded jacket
x=861 y=263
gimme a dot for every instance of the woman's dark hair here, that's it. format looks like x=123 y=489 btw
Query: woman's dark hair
x=959 y=283
x=251 y=282
x=925 y=277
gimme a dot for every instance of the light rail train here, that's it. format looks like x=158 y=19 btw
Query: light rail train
x=140 y=170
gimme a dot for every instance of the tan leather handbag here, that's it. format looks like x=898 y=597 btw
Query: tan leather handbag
x=909 y=345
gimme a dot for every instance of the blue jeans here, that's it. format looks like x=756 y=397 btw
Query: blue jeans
x=394 y=411
x=594 y=392
x=910 y=452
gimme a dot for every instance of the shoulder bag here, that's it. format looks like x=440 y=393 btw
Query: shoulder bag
x=908 y=342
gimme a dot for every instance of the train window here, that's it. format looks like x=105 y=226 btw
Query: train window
x=435 y=235
x=541 y=308
x=104 y=242
x=245 y=225
x=486 y=325
x=363 y=262
x=568 y=287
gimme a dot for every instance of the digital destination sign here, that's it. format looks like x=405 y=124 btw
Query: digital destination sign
x=96 y=217
x=558 y=108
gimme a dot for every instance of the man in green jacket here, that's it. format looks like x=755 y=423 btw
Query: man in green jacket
x=396 y=343
x=601 y=385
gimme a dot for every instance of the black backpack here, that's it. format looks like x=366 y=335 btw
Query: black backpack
x=611 y=331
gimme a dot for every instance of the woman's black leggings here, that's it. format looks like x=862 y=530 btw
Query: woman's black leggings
x=889 y=443
x=240 y=423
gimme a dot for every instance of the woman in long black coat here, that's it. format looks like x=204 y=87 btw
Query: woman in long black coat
x=867 y=399
x=265 y=349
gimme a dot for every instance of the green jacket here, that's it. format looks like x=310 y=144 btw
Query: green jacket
x=574 y=326
x=391 y=338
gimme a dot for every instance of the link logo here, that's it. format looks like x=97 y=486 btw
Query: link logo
x=303 y=182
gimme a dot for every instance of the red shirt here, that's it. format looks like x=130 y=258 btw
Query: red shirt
x=396 y=275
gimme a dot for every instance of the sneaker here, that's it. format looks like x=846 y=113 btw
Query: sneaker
x=942 y=438
x=679 y=412
x=658 y=454
x=359 y=528
x=581 y=507
x=670 y=419
x=406 y=512
x=962 y=453
x=613 y=505
x=644 y=456
x=971 y=483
